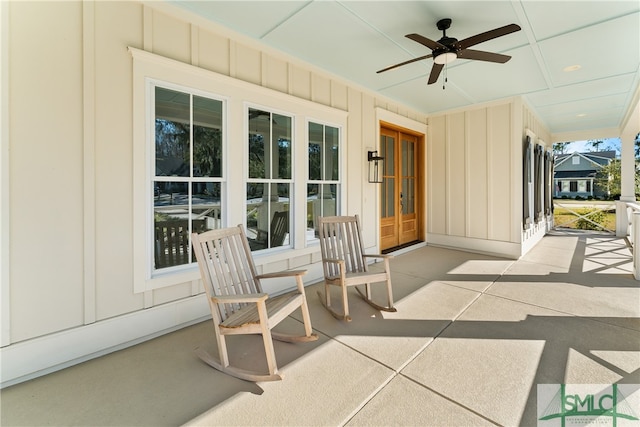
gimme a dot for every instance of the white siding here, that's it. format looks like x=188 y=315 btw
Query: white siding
x=72 y=169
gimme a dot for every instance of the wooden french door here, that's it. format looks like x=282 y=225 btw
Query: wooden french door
x=400 y=193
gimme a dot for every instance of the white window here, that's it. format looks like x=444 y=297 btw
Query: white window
x=187 y=164
x=270 y=179
x=208 y=154
x=323 y=185
x=575 y=160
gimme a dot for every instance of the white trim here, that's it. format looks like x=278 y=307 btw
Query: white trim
x=50 y=353
x=5 y=188
x=489 y=247
x=584 y=135
x=398 y=120
x=535 y=234
x=89 y=161
x=151 y=67
x=394 y=119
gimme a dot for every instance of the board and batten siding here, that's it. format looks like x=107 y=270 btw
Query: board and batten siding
x=70 y=294
x=69 y=199
x=474 y=176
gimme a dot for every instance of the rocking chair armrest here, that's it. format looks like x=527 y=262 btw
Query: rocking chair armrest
x=383 y=256
x=229 y=299
x=285 y=273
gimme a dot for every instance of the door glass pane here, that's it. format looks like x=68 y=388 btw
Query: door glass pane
x=172 y=132
x=387 y=144
x=408 y=199
x=408 y=158
x=388 y=208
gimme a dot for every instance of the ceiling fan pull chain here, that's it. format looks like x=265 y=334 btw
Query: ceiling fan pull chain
x=445 y=76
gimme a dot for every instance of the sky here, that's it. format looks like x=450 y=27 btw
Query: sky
x=583 y=146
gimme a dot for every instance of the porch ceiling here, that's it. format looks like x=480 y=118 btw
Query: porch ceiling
x=354 y=39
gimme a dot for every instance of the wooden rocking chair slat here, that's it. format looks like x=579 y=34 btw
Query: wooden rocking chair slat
x=238 y=304
x=344 y=263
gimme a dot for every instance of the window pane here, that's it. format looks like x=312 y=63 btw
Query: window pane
x=313 y=209
x=259 y=135
x=257 y=193
x=282 y=151
x=172 y=131
x=332 y=153
x=205 y=206
x=265 y=229
x=315 y=151
x=171 y=224
x=329 y=197
x=207 y=137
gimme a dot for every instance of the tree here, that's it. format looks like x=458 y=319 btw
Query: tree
x=560 y=147
x=609 y=178
x=595 y=143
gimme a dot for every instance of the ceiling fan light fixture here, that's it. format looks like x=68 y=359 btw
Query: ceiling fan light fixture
x=445 y=58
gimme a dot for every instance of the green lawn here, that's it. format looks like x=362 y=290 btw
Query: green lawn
x=564 y=218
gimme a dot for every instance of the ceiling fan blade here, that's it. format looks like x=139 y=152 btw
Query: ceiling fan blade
x=404 y=63
x=483 y=37
x=425 y=41
x=435 y=73
x=480 y=55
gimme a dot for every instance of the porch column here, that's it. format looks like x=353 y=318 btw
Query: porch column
x=627 y=168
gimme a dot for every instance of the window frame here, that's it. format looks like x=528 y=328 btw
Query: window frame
x=291 y=181
x=341 y=165
x=190 y=179
x=237 y=93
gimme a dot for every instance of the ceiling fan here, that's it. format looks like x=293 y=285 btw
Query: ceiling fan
x=448 y=49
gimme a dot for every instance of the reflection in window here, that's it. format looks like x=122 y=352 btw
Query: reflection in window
x=269 y=184
x=188 y=172
x=323 y=186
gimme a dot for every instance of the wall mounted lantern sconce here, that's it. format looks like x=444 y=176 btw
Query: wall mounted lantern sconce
x=376 y=167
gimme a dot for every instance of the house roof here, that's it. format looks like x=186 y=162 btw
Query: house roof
x=596 y=158
x=558 y=58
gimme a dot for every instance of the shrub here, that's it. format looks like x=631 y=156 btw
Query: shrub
x=596 y=216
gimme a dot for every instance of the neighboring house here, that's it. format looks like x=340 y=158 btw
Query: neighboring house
x=575 y=174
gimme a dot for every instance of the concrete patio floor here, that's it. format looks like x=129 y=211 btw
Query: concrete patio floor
x=472 y=338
